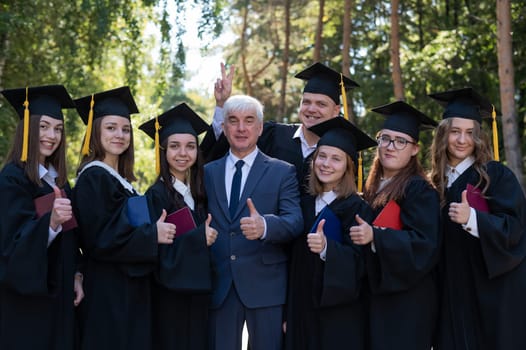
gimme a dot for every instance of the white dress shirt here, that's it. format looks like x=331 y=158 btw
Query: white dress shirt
x=452 y=174
x=49 y=176
x=306 y=149
x=184 y=190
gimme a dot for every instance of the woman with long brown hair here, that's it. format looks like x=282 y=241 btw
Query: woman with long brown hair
x=401 y=246
x=38 y=250
x=483 y=270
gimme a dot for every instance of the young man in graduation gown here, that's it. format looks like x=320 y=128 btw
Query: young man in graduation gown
x=483 y=266
x=293 y=143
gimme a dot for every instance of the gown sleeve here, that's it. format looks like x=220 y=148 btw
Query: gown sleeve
x=404 y=257
x=99 y=203
x=344 y=269
x=23 y=237
x=184 y=265
x=502 y=230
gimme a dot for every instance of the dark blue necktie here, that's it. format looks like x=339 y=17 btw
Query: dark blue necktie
x=236 y=188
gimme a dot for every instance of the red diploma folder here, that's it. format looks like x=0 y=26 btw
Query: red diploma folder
x=44 y=204
x=389 y=217
x=475 y=199
x=183 y=221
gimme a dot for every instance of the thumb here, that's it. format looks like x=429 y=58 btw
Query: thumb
x=319 y=229
x=162 y=217
x=464 y=196
x=251 y=208
x=208 y=219
x=359 y=220
x=58 y=194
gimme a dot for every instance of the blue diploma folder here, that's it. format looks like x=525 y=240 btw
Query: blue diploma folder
x=332 y=227
x=137 y=211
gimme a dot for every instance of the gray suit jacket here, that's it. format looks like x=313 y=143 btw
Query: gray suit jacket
x=257 y=268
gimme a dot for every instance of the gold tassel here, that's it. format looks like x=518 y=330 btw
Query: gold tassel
x=25 y=140
x=344 y=98
x=360 y=172
x=495 y=134
x=87 y=138
x=157 y=148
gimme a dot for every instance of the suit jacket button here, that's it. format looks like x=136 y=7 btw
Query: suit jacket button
x=232 y=233
x=232 y=257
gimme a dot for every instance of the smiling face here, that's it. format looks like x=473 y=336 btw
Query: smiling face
x=242 y=130
x=460 y=144
x=329 y=166
x=316 y=108
x=115 y=135
x=181 y=154
x=394 y=160
x=50 y=136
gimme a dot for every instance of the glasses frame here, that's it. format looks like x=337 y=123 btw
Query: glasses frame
x=382 y=139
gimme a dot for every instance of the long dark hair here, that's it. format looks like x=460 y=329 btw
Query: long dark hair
x=57 y=159
x=97 y=152
x=194 y=179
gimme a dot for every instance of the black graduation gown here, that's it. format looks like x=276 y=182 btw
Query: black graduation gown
x=116 y=312
x=182 y=282
x=484 y=279
x=36 y=281
x=325 y=304
x=275 y=141
x=402 y=273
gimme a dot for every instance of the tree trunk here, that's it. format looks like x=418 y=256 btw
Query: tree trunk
x=285 y=63
x=319 y=32
x=243 y=43
x=346 y=48
x=4 y=48
x=507 y=90
x=395 y=53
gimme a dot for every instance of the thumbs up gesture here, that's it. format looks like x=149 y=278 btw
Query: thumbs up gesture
x=362 y=233
x=62 y=210
x=459 y=212
x=165 y=230
x=252 y=226
x=317 y=240
x=210 y=232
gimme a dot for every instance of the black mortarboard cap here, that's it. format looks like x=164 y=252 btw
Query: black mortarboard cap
x=463 y=103
x=403 y=117
x=117 y=101
x=324 y=80
x=43 y=100
x=341 y=133
x=179 y=120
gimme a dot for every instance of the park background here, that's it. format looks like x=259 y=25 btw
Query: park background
x=169 y=51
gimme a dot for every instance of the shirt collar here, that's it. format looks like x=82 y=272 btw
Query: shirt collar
x=462 y=166
x=43 y=171
x=324 y=199
x=305 y=147
x=249 y=158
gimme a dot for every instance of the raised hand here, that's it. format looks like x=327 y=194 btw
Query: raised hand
x=362 y=233
x=210 y=232
x=252 y=226
x=165 y=230
x=459 y=212
x=317 y=240
x=223 y=86
x=61 y=211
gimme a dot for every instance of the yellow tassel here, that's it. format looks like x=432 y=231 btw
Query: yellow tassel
x=157 y=147
x=344 y=98
x=87 y=138
x=25 y=140
x=360 y=172
x=495 y=134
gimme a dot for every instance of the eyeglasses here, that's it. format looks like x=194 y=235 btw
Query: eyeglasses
x=399 y=143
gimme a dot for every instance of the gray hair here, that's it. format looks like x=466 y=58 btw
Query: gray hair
x=243 y=103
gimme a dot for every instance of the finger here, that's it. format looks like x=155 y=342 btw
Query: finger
x=319 y=229
x=162 y=217
x=208 y=219
x=359 y=220
x=223 y=70
x=58 y=194
x=465 y=197
x=251 y=208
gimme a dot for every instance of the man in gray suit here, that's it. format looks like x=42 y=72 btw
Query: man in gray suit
x=254 y=202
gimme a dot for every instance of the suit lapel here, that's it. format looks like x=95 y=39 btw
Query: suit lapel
x=219 y=186
x=258 y=169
